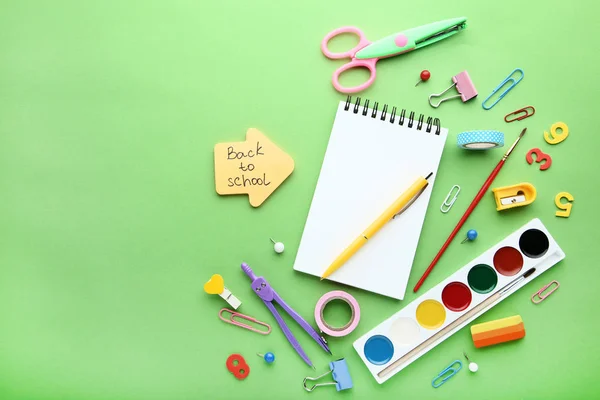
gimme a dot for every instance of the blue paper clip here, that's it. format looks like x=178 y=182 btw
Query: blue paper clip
x=339 y=372
x=450 y=368
x=508 y=79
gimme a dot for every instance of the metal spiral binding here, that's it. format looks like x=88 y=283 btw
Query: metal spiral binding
x=430 y=123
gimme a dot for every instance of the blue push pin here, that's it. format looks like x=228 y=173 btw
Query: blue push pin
x=269 y=357
x=471 y=235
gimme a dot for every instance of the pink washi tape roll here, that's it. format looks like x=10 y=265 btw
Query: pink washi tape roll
x=332 y=330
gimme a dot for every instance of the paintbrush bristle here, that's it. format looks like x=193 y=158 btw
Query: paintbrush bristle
x=514 y=144
x=528 y=273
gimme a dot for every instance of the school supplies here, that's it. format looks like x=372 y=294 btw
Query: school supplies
x=374 y=153
x=404 y=201
x=513 y=82
x=237 y=366
x=544 y=292
x=232 y=320
x=269 y=296
x=473 y=367
x=498 y=331
x=424 y=76
x=216 y=285
x=470 y=209
x=513 y=196
x=268 y=357
x=542 y=158
x=480 y=140
x=520 y=114
x=566 y=208
x=464 y=86
x=557 y=136
x=255 y=167
x=278 y=246
x=449 y=202
x=366 y=54
x=446 y=374
x=471 y=235
x=348 y=327
x=340 y=374
x=458 y=300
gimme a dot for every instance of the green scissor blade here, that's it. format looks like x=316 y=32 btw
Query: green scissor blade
x=415 y=38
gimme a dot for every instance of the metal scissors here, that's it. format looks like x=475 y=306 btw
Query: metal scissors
x=269 y=296
x=366 y=53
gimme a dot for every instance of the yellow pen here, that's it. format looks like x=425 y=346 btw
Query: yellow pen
x=403 y=202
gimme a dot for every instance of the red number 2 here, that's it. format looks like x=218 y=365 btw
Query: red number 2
x=544 y=159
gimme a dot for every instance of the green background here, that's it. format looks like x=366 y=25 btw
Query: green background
x=110 y=224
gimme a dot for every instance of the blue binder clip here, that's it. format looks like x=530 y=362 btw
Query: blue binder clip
x=443 y=377
x=339 y=372
x=509 y=78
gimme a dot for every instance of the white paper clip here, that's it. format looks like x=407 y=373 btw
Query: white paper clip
x=447 y=204
x=339 y=372
x=216 y=285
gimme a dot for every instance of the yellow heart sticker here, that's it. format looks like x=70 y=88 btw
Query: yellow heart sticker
x=215 y=285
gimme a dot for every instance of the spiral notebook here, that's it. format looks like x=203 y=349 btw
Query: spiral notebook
x=374 y=154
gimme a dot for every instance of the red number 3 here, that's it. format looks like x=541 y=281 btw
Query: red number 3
x=544 y=159
x=237 y=366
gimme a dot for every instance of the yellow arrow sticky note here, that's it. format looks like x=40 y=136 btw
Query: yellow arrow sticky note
x=256 y=167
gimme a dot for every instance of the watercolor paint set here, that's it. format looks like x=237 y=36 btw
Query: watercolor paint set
x=458 y=300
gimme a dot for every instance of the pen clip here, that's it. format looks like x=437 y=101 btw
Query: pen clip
x=411 y=201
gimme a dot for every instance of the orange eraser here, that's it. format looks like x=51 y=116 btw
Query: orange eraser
x=498 y=331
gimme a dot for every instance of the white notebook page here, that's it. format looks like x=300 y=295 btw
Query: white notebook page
x=368 y=164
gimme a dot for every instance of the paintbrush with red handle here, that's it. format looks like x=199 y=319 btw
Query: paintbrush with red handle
x=482 y=191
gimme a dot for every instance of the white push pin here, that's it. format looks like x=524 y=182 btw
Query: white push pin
x=278 y=246
x=473 y=367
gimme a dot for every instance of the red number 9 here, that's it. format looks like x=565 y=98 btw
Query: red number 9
x=237 y=366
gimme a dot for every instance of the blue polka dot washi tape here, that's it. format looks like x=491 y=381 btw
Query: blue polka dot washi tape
x=480 y=140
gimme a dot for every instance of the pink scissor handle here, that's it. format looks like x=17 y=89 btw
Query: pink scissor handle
x=368 y=64
x=350 y=53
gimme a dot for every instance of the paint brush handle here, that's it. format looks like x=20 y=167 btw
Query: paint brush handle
x=481 y=307
x=390 y=368
x=476 y=200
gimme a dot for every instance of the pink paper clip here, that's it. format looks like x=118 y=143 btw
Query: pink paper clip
x=231 y=320
x=539 y=296
x=464 y=86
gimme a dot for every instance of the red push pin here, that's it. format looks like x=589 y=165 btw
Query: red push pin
x=425 y=75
